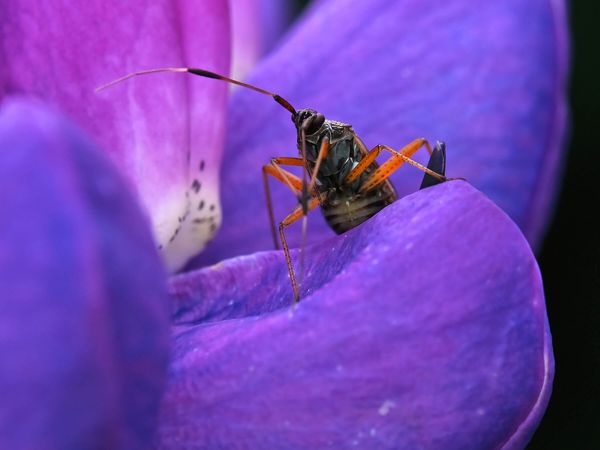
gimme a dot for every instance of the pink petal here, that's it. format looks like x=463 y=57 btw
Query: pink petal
x=256 y=25
x=158 y=129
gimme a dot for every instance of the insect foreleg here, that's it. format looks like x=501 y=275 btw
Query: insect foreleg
x=285 y=177
x=294 y=216
x=363 y=164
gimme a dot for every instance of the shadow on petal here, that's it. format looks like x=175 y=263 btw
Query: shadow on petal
x=423 y=328
x=84 y=323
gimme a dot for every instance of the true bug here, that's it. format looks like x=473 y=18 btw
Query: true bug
x=340 y=173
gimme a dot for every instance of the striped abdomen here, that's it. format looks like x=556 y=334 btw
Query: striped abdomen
x=344 y=210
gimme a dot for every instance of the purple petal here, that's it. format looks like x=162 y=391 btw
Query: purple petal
x=488 y=79
x=84 y=323
x=256 y=26
x=158 y=129
x=423 y=328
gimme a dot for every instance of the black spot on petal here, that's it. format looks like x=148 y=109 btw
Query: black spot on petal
x=196 y=186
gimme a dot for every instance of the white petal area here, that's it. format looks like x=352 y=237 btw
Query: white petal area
x=156 y=129
x=197 y=217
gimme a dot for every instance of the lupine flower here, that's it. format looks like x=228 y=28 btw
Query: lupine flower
x=423 y=328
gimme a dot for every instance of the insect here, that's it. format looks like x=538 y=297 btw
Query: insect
x=340 y=173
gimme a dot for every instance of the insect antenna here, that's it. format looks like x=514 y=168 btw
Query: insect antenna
x=304 y=194
x=202 y=73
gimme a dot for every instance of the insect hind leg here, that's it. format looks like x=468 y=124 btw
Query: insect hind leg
x=398 y=158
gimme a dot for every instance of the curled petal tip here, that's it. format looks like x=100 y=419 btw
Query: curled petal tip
x=424 y=327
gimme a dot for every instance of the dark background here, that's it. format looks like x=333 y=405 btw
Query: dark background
x=569 y=258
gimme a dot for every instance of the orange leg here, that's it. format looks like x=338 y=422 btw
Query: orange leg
x=391 y=165
x=368 y=159
x=287 y=161
x=301 y=190
x=294 y=216
x=285 y=177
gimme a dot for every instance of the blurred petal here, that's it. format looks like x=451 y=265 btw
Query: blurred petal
x=84 y=323
x=256 y=25
x=488 y=79
x=165 y=132
x=423 y=328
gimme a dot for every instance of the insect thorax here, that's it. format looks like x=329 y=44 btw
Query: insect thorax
x=342 y=156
